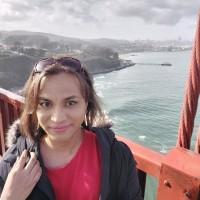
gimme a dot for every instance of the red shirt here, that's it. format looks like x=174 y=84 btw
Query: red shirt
x=80 y=179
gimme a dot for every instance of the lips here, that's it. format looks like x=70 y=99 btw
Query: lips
x=60 y=128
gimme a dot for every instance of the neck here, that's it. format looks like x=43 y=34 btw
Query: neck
x=63 y=145
x=58 y=153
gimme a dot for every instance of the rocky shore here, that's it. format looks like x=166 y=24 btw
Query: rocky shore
x=123 y=64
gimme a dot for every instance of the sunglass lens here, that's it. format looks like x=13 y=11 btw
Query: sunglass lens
x=65 y=61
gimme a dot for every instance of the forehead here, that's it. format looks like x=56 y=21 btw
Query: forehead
x=58 y=85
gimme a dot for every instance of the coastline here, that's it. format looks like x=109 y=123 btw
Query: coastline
x=124 y=64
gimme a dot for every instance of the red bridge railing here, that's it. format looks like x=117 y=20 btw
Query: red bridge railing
x=177 y=173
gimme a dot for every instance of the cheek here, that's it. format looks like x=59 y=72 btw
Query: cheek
x=41 y=116
x=78 y=113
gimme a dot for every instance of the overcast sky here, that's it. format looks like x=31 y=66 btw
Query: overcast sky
x=119 y=19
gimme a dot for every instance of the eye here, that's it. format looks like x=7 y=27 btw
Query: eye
x=44 y=104
x=70 y=103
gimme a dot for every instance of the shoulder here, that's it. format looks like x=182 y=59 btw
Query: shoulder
x=119 y=145
x=15 y=139
x=105 y=132
x=13 y=133
x=9 y=157
x=6 y=163
x=119 y=149
x=5 y=167
x=12 y=136
x=122 y=152
x=15 y=144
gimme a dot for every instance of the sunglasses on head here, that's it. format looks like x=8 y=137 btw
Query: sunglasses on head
x=69 y=62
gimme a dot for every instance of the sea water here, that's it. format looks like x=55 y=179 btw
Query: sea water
x=144 y=101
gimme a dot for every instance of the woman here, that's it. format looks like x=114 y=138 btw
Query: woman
x=61 y=147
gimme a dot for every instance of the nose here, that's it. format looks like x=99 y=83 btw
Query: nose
x=58 y=115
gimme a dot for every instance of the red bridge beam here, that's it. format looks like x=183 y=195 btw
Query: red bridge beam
x=148 y=160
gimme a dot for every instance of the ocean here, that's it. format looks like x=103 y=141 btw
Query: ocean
x=144 y=101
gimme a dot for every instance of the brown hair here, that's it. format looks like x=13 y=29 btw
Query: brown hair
x=28 y=120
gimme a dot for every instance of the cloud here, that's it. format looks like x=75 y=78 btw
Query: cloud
x=168 y=12
x=21 y=10
x=71 y=9
x=76 y=9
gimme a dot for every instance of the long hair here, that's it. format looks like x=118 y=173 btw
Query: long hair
x=28 y=121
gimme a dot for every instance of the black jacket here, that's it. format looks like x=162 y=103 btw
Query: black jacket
x=119 y=176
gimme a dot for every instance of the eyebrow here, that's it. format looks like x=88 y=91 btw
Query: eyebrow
x=68 y=98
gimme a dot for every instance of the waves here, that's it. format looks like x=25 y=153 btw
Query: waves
x=144 y=102
x=147 y=121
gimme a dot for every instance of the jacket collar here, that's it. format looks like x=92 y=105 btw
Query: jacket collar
x=44 y=184
x=105 y=137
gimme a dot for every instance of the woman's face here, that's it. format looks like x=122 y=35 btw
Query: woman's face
x=61 y=108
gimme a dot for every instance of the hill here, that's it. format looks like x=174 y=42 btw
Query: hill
x=20 y=49
x=14 y=71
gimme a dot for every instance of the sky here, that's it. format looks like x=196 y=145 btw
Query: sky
x=117 y=19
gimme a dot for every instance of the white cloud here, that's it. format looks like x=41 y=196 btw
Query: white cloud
x=154 y=11
x=167 y=12
x=108 y=18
